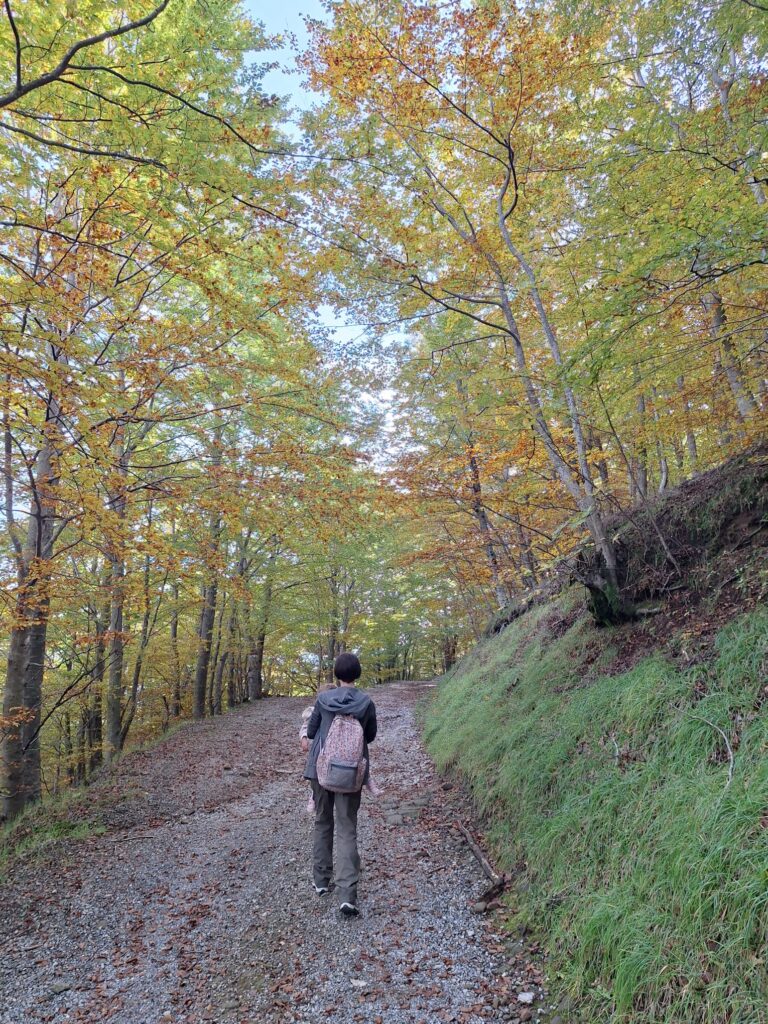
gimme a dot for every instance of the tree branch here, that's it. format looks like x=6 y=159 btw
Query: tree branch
x=225 y=122
x=85 y=151
x=61 y=67
x=17 y=41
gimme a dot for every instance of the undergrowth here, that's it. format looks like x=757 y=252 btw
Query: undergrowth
x=643 y=841
x=40 y=827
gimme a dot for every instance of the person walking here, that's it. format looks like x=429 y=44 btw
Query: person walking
x=344 y=699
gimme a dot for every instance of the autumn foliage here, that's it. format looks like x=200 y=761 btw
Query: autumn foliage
x=549 y=230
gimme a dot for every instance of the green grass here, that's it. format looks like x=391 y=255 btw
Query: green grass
x=647 y=871
x=40 y=827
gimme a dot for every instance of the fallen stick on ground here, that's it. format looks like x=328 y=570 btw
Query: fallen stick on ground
x=482 y=860
x=728 y=747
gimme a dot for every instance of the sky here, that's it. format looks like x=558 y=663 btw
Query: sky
x=285 y=16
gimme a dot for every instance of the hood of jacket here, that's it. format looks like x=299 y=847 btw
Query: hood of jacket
x=344 y=700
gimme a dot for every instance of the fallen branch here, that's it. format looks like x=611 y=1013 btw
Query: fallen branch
x=728 y=746
x=482 y=860
x=746 y=539
x=616 y=751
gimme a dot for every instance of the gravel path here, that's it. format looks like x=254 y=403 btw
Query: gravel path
x=196 y=904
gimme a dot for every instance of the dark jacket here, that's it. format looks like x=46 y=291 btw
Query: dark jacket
x=344 y=700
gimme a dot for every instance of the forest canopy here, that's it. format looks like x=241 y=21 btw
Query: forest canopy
x=545 y=227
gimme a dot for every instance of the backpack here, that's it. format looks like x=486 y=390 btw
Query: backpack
x=340 y=763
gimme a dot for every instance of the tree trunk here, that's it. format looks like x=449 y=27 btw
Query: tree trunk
x=603 y=585
x=232 y=683
x=214 y=675
x=745 y=403
x=81 y=763
x=113 y=710
x=527 y=557
x=218 y=686
x=228 y=660
x=21 y=782
x=479 y=511
x=481 y=517
x=663 y=464
x=114 y=704
x=690 y=437
x=259 y=639
x=176 y=702
x=95 y=705
x=205 y=634
x=256 y=665
x=210 y=594
x=333 y=625
x=640 y=466
x=133 y=700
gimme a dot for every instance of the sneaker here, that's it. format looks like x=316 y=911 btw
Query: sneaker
x=349 y=910
x=321 y=890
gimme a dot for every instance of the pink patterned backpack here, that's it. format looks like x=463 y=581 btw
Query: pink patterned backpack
x=340 y=763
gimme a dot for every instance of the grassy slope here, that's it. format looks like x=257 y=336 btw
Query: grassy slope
x=645 y=868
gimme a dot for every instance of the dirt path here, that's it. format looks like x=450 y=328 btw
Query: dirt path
x=196 y=905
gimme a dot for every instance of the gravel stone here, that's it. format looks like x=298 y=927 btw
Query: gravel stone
x=197 y=903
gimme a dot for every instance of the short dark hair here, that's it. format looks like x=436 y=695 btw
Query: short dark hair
x=347 y=668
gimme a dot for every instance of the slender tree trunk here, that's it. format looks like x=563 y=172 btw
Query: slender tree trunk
x=67 y=747
x=259 y=638
x=232 y=683
x=214 y=675
x=112 y=729
x=527 y=557
x=663 y=464
x=114 y=703
x=333 y=625
x=205 y=635
x=640 y=461
x=218 y=687
x=450 y=642
x=130 y=710
x=677 y=451
x=210 y=594
x=258 y=643
x=175 y=708
x=478 y=508
x=227 y=661
x=580 y=488
x=96 y=689
x=745 y=402
x=176 y=701
x=81 y=761
x=595 y=444
x=554 y=349
x=21 y=781
x=481 y=517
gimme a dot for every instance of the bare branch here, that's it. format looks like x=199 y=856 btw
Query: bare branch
x=728 y=747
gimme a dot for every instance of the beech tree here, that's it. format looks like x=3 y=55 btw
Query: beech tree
x=502 y=166
x=547 y=228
